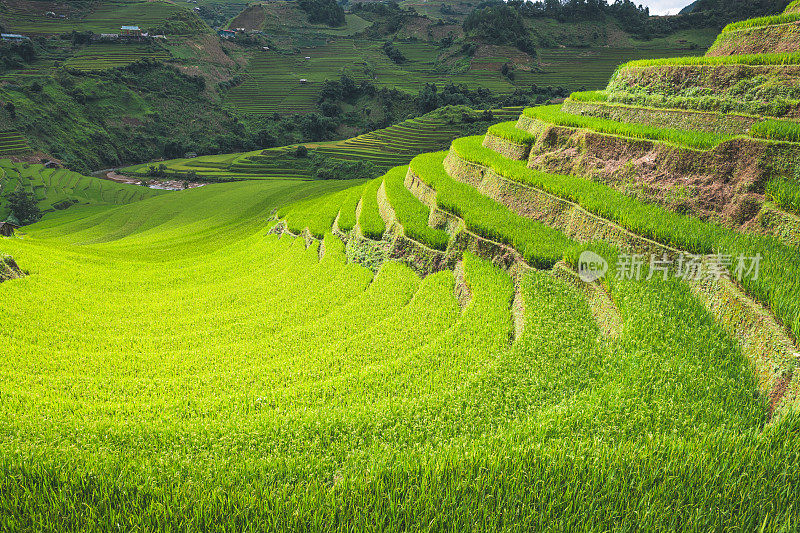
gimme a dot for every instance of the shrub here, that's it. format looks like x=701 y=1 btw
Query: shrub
x=23 y=206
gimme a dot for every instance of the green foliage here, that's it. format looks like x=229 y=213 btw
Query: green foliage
x=540 y=245
x=785 y=193
x=589 y=96
x=500 y=24
x=393 y=53
x=180 y=23
x=347 y=214
x=718 y=13
x=56 y=189
x=779 y=277
x=510 y=132
x=370 y=220
x=412 y=213
x=776 y=130
x=23 y=206
x=16 y=55
x=328 y=168
x=323 y=12
x=125 y=115
x=760 y=22
x=316 y=214
x=789 y=58
x=692 y=138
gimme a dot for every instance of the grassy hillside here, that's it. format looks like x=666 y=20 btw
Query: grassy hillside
x=423 y=350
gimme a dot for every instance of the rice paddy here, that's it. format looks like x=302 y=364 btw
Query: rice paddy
x=175 y=361
x=691 y=138
x=774 y=59
x=107 y=56
x=334 y=387
x=385 y=148
x=108 y=17
x=56 y=188
x=13 y=142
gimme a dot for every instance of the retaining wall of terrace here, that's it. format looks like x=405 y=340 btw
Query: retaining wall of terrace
x=759 y=40
x=677 y=85
x=724 y=184
x=506 y=147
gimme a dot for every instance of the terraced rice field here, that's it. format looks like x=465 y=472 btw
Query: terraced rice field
x=386 y=148
x=582 y=69
x=108 y=17
x=273 y=80
x=59 y=188
x=13 y=142
x=273 y=86
x=107 y=56
x=417 y=352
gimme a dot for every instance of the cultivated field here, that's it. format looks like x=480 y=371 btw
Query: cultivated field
x=13 y=142
x=427 y=350
x=108 y=17
x=385 y=148
x=56 y=189
x=107 y=56
x=273 y=82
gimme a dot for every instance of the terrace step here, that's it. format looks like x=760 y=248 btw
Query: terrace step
x=686 y=119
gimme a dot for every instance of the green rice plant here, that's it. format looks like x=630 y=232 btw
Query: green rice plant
x=759 y=22
x=540 y=245
x=788 y=58
x=255 y=386
x=510 y=132
x=776 y=130
x=589 y=96
x=370 y=221
x=412 y=213
x=347 y=213
x=316 y=214
x=691 y=138
x=785 y=193
x=778 y=282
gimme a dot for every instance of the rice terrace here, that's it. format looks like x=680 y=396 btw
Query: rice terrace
x=308 y=265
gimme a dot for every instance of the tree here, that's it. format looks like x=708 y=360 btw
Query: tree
x=23 y=206
x=266 y=139
x=393 y=53
x=499 y=24
x=323 y=12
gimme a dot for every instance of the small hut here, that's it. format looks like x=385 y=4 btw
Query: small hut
x=9 y=226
